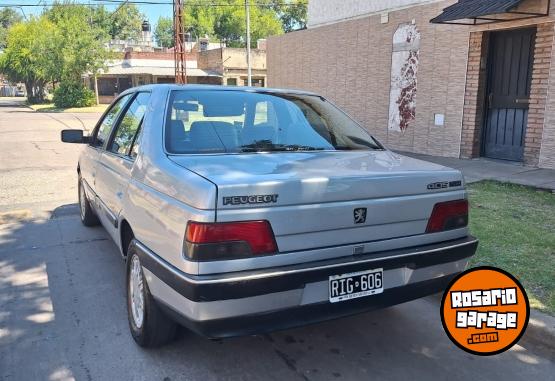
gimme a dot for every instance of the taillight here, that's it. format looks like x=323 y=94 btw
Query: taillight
x=448 y=215
x=228 y=240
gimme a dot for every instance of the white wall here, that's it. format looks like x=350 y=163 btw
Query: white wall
x=321 y=12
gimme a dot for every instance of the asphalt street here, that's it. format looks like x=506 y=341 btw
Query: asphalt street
x=62 y=299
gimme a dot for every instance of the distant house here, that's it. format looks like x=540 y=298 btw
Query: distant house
x=231 y=64
x=206 y=63
x=142 y=68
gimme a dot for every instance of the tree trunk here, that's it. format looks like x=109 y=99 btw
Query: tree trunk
x=30 y=91
x=35 y=91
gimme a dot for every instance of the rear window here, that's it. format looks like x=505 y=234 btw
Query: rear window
x=212 y=121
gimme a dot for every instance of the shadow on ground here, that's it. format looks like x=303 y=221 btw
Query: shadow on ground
x=63 y=316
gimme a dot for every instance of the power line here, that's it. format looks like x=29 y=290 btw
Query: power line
x=119 y=8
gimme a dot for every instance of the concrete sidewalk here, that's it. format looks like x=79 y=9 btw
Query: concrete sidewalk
x=489 y=169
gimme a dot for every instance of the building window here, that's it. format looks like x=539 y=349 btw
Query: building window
x=165 y=80
x=107 y=86
x=231 y=82
x=256 y=82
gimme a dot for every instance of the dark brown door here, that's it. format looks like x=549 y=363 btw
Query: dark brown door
x=510 y=73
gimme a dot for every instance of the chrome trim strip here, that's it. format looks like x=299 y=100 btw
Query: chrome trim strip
x=109 y=214
x=180 y=274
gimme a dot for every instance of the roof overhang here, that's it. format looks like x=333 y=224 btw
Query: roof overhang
x=479 y=12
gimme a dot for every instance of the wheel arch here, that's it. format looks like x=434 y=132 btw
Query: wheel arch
x=126 y=236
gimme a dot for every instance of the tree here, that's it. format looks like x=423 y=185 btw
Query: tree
x=227 y=22
x=126 y=22
x=123 y=23
x=293 y=15
x=26 y=57
x=8 y=17
x=164 y=32
x=77 y=47
x=59 y=46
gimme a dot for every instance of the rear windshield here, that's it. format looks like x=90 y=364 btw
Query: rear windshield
x=212 y=121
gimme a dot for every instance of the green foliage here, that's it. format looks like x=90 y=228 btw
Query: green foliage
x=77 y=47
x=27 y=56
x=293 y=15
x=59 y=46
x=227 y=23
x=123 y=23
x=126 y=23
x=73 y=94
x=8 y=17
x=164 y=32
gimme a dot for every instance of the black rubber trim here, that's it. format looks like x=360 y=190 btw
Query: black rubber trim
x=252 y=283
x=310 y=314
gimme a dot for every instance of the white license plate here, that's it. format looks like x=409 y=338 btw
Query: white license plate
x=355 y=285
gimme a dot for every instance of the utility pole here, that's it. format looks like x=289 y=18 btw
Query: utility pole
x=249 y=69
x=179 y=43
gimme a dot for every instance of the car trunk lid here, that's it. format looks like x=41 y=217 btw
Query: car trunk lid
x=322 y=199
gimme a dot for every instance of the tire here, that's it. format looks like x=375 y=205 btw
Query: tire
x=88 y=217
x=149 y=326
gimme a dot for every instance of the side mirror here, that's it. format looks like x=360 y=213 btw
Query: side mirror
x=74 y=136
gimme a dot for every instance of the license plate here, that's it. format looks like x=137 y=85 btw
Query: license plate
x=355 y=285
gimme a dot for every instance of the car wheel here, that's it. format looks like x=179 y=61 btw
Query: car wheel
x=149 y=326
x=88 y=217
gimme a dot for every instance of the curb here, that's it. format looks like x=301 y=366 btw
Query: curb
x=541 y=331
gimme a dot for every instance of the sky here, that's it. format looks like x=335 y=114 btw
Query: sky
x=152 y=11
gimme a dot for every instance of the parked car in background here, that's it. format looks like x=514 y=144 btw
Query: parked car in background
x=242 y=210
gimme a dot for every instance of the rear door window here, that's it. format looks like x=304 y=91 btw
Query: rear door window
x=103 y=130
x=129 y=125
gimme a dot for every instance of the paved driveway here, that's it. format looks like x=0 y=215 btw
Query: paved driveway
x=62 y=304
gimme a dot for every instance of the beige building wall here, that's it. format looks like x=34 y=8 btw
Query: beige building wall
x=232 y=63
x=322 y=12
x=349 y=62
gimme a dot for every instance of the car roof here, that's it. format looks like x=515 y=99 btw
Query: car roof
x=248 y=89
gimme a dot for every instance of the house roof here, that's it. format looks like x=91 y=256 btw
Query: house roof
x=161 y=71
x=471 y=9
x=155 y=67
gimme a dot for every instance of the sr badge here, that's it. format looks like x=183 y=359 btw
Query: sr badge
x=444 y=185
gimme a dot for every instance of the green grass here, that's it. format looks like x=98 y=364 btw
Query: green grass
x=516 y=228
x=49 y=107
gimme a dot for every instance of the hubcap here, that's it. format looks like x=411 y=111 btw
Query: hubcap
x=82 y=200
x=136 y=291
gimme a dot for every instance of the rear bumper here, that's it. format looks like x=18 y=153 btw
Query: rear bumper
x=259 y=323
x=258 y=301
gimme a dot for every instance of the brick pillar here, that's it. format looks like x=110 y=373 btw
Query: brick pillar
x=473 y=109
x=538 y=93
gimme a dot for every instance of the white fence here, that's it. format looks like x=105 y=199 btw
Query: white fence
x=8 y=91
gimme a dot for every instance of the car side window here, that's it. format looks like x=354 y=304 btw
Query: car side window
x=103 y=131
x=129 y=125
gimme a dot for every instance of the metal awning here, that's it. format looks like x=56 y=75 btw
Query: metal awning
x=476 y=12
